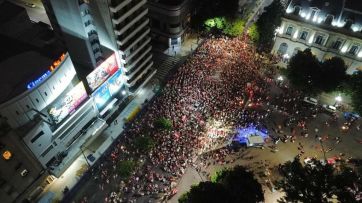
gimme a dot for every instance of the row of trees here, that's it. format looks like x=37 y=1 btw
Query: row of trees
x=309 y=183
x=318 y=182
x=228 y=186
x=307 y=73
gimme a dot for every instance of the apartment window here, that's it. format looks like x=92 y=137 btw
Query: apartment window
x=289 y=31
x=37 y=136
x=27 y=106
x=47 y=151
x=337 y=44
x=92 y=32
x=303 y=35
x=85 y=12
x=37 y=100
x=45 y=93
x=87 y=23
x=319 y=39
x=353 y=50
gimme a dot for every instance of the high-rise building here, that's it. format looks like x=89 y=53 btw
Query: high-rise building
x=52 y=104
x=94 y=30
x=328 y=28
x=170 y=21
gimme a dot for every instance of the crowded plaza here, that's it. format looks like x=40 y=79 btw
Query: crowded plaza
x=222 y=87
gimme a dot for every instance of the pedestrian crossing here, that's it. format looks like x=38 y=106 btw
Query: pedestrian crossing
x=165 y=64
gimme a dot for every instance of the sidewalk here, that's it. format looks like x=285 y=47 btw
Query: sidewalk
x=74 y=173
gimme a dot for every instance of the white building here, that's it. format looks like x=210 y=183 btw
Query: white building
x=328 y=27
x=50 y=115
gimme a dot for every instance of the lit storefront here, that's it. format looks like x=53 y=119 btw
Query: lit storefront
x=106 y=82
x=66 y=104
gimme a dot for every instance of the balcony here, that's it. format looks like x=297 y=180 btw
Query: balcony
x=128 y=13
x=136 y=39
x=139 y=67
x=132 y=81
x=134 y=32
x=118 y=5
x=126 y=27
x=138 y=58
x=143 y=80
x=134 y=53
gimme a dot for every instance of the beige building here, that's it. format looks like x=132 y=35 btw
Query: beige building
x=328 y=28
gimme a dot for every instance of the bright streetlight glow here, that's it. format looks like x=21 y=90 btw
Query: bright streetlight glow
x=280 y=78
x=123 y=92
x=338 y=98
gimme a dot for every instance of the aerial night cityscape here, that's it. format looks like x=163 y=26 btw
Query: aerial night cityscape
x=181 y=101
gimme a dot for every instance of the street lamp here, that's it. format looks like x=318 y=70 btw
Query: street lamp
x=338 y=99
x=280 y=78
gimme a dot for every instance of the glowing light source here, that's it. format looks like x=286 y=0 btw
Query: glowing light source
x=303 y=14
x=7 y=155
x=295 y=34
x=359 y=54
x=280 y=78
x=123 y=92
x=338 y=98
x=310 y=41
x=289 y=10
x=344 y=49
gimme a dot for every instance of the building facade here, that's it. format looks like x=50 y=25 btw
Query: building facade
x=50 y=116
x=169 y=21
x=94 y=30
x=328 y=28
x=54 y=107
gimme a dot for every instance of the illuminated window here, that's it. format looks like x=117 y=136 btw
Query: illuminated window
x=289 y=31
x=303 y=35
x=7 y=155
x=319 y=39
x=353 y=50
x=337 y=44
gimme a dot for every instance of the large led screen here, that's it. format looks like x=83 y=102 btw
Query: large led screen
x=67 y=104
x=102 y=72
x=102 y=95
x=115 y=82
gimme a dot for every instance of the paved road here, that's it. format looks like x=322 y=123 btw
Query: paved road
x=287 y=151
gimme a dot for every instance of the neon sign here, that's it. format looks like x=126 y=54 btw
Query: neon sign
x=52 y=67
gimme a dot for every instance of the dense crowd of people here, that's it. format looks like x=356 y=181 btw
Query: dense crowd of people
x=218 y=84
x=223 y=85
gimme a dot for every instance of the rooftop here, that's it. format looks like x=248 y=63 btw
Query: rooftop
x=18 y=70
x=11 y=11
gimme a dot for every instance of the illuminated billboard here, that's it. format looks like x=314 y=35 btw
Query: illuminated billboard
x=102 y=72
x=52 y=67
x=115 y=82
x=102 y=95
x=67 y=104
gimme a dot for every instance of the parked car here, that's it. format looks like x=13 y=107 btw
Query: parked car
x=311 y=100
x=329 y=108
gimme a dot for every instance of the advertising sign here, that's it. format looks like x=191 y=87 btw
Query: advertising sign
x=115 y=82
x=52 y=67
x=102 y=95
x=102 y=72
x=67 y=103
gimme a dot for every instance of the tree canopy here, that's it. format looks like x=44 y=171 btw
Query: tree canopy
x=229 y=186
x=206 y=192
x=317 y=182
x=307 y=73
x=354 y=88
x=267 y=23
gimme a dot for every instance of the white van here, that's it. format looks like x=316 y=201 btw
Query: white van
x=310 y=100
x=330 y=108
